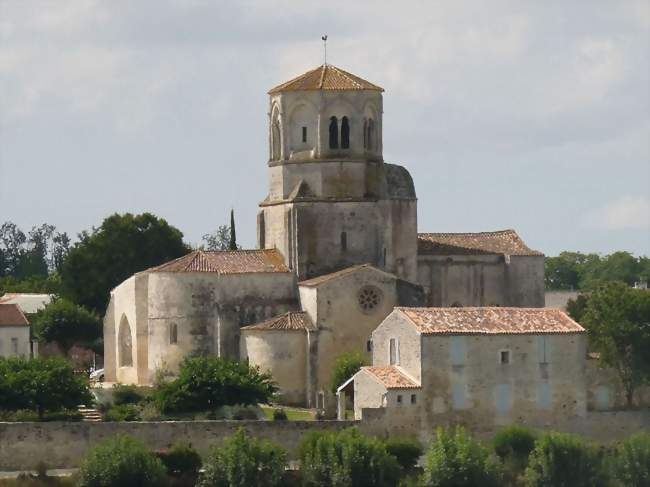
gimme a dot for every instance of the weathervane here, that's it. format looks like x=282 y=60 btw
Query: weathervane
x=325 y=46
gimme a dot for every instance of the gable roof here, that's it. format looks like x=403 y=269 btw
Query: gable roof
x=317 y=281
x=29 y=303
x=293 y=320
x=391 y=377
x=326 y=77
x=501 y=242
x=11 y=315
x=490 y=321
x=226 y=262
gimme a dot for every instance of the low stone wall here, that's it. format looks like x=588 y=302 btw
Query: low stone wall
x=64 y=444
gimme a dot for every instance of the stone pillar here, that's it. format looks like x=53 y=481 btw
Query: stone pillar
x=340 y=399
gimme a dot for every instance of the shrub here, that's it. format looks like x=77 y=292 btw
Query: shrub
x=514 y=442
x=631 y=463
x=124 y=412
x=240 y=413
x=346 y=459
x=180 y=460
x=244 y=461
x=206 y=383
x=455 y=459
x=121 y=461
x=346 y=365
x=407 y=451
x=279 y=415
x=126 y=395
x=563 y=460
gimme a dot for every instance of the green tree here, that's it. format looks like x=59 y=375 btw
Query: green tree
x=345 y=366
x=617 y=320
x=456 y=460
x=563 y=460
x=207 y=383
x=121 y=246
x=41 y=385
x=67 y=324
x=577 y=307
x=121 y=461
x=244 y=461
x=232 y=244
x=631 y=465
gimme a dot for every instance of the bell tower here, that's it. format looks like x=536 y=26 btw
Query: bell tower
x=330 y=192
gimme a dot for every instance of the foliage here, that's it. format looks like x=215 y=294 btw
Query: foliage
x=42 y=384
x=574 y=270
x=279 y=415
x=206 y=383
x=631 y=465
x=346 y=365
x=67 y=324
x=121 y=461
x=32 y=284
x=127 y=394
x=514 y=441
x=181 y=459
x=232 y=243
x=407 y=451
x=121 y=246
x=617 y=319
x=27 y=415
x=456 y=460
x=564 y=460
x=243 y=461
x=576 y=307
x=122 y=412
x=346 y=459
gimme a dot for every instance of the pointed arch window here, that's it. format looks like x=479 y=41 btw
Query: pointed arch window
x=345 y=133
x=370 y=139
x=365 y=133
x=125 y=345
x=334 y=133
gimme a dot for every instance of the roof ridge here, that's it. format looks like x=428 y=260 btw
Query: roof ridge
x=348 y=76
x=322 y=76
x=491 y=232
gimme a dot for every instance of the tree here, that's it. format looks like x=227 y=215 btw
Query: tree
x=207 y=383
x=232 y=244
x=120 y=247
x=631 y=465
x=67 y=324
x=346 y=365
x=617 y=320
x=219 y=240
x=41 y=385
x=577 y=307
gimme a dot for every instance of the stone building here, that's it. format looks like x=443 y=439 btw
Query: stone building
x=338 y=249
x=14 y=332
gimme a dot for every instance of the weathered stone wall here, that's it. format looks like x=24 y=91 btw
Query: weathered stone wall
x=19 y=333
x=605 y=391
x=64 y=444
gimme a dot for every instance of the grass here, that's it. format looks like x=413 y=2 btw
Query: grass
x=292 y=413
x=38 y=482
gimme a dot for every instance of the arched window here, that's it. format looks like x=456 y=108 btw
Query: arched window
x=365 y=133
x=125 y=346
x=371 y=134
x=275 y=141
x=334 y=133
x=345 y=133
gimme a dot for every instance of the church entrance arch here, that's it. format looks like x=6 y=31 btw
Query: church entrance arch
x=125 y=342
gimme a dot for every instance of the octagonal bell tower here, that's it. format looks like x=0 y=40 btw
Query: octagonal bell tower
x=330 y=193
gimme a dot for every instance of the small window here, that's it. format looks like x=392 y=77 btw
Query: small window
x=173 y=333
x=304 y=134
x=393 y=353
x=414 y=398
x=399 y=399
x=344 y=241
x=369 y=346
x=504 y=357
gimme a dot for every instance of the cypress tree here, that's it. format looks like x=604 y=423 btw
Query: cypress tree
x=233 y=237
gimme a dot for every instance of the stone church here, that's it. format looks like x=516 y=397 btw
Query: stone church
x=338 y=250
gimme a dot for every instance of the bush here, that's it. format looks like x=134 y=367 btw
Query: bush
x=407 y=451
x=121 y=461
x=244 y=461
x=346 y=459
x=240 y=413
x=180 y=460
x=631 y=464
x=124 y=412
x=515 y=442
x=346 y=365
x=126 y=395
x=206 y=383
x=561 y=459
x=456 y=460
x=279 y=415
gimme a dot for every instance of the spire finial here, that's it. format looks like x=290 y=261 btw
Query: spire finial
x=324 y=38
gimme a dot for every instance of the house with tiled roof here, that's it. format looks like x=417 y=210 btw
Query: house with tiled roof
x=14 y=331
x=482 y=366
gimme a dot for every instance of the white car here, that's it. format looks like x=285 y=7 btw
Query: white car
x=97 y=375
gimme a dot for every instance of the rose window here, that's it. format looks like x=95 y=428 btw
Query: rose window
x=369 y=298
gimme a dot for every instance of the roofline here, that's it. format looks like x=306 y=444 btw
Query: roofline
x=20 y=311
x=281 y=87
x=343 y=273
x=365 y=368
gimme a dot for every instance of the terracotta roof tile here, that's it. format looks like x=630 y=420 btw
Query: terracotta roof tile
x=293 y=320
x=226 y=262
x=391 y=377
x=490 y=321
x=502 y=242
x=335 y=275
x=326 y=77
x=11 y=315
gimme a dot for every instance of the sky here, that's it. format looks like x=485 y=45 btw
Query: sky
x=508 y=114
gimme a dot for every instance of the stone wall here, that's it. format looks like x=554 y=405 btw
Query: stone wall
x=64 y=444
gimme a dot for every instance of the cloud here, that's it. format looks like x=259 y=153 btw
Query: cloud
x=628 y=212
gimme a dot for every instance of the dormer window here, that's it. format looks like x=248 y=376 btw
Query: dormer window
x=345 y=133
x=334 y=133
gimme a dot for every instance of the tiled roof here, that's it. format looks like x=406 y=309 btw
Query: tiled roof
x=293 y=320
x=11 y=315
x=491 y=321
x=326 y=77
x=503 y=242
x=29 y=302
x=226 y=262
x=391 y=377
x=316 y=281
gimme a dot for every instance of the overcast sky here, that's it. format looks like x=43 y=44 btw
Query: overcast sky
x=526 y=115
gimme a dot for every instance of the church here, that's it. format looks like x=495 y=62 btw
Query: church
x=338 y=250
